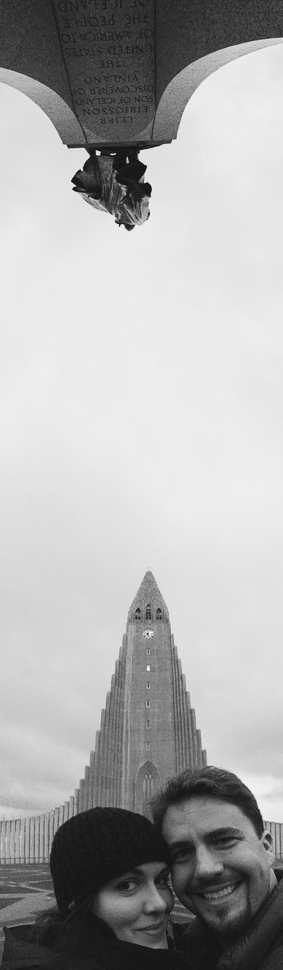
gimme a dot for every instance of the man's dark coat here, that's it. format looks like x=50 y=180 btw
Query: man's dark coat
x=260 y=948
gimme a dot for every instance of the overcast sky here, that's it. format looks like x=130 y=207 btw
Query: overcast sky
x=141 y=426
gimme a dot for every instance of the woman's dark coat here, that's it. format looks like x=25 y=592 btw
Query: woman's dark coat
x=22 y=951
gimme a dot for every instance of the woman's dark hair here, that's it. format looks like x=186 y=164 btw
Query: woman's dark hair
x=77 y=931
x=211 y=783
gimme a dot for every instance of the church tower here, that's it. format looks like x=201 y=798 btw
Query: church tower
x=147 y=732
x=148 y=729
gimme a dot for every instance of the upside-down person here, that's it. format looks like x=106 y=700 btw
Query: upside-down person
x=115 y=183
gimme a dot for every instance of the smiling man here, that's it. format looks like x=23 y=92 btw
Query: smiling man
x=222 y=871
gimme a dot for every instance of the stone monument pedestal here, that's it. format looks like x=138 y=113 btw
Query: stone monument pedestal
x=114 y=73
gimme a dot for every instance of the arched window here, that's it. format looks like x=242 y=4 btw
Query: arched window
x=138 y=614
x=148 y=780
x=147 y=786
x=148 y=612
x=159 y=614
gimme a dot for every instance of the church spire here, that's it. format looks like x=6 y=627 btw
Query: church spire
x=148 y=598
x=147 y=733
x=148 y=728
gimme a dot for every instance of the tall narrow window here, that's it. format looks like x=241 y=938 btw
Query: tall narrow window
x=148 y=786
x=148 y=651
x=148 y=685
x=148 y=612
x=148 y=666
x=138 y=614
x=159 y=614
x=148 y=724
x=147 y=703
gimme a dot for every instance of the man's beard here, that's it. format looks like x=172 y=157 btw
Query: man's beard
x=228 y=934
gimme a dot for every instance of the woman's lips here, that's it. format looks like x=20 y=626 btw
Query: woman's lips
x=151 y=928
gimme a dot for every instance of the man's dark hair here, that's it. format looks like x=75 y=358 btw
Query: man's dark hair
x=209 y=782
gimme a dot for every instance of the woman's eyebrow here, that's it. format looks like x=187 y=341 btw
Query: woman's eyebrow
x=140 y=872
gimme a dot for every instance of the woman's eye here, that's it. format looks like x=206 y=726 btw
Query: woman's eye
x=162 y=881
x=127 y=885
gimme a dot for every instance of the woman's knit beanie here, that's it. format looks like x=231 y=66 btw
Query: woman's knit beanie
x=95 y=846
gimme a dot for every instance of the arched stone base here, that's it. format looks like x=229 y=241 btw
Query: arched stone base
x=116 y=74
x=60 y=114
x=178 y=93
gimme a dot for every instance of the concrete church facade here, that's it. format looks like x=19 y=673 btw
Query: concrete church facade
x=148 y=729
x=148 y=732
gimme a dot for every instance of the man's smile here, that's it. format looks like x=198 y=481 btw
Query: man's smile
x=213 y=894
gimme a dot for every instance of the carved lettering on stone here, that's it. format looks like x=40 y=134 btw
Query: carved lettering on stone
x=109 y=52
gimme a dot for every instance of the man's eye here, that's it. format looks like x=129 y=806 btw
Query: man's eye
x=226 y=842
x=180 y=855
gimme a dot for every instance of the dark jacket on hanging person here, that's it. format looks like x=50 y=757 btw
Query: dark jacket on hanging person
x=115 y=190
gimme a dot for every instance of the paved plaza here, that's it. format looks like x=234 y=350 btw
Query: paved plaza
x=24 y=892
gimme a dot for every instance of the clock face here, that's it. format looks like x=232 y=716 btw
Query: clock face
x=147 y=634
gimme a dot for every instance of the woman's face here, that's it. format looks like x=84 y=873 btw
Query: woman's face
x=136 y=905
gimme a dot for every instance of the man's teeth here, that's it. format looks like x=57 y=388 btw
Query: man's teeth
x=219 y=893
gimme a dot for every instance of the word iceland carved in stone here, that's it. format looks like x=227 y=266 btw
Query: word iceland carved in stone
x=115 y=73
x=109 y=50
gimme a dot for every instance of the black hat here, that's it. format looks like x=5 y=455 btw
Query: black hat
x=95 y=846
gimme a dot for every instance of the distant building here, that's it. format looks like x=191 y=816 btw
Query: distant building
x=148 y=729
x=148 y=732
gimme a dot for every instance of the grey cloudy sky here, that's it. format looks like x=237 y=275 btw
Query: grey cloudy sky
x=141 y=425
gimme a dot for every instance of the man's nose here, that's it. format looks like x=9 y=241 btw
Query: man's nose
x=154 y=902
x=207 y=863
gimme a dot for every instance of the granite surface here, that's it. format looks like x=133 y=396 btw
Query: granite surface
x=109 y=51
x=25 y=891
x=107 y=71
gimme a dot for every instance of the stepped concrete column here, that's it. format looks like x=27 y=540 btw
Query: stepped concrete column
x=17 y=839
x=27 y=840
x=12 y=841
x=32 y=840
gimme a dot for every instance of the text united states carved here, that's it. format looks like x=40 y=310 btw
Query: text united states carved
x=109 y=53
